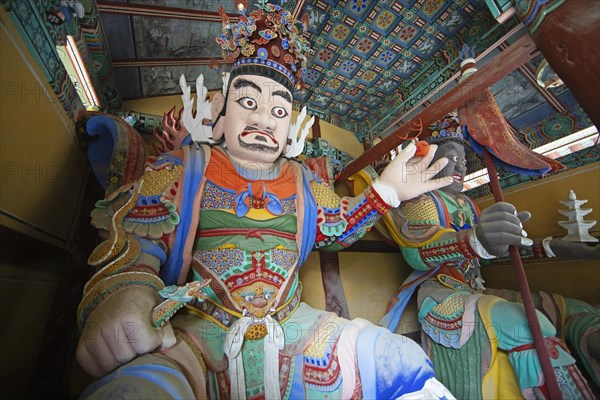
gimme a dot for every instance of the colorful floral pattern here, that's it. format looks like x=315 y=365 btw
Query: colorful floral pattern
x=340 y=33
x=359 y=6
x=221 y=260
x=325 y=55
x=407 y=33
x=284 y=258
x=364 y=45
x=216 y=198
x=386 y=56
x=384 y=19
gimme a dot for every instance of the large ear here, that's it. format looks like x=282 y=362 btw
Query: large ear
x=218 y=103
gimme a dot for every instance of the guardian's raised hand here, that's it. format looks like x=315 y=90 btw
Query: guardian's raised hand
x=411 y=176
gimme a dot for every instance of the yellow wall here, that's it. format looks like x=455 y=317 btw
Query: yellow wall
x=542 y=197
x=341 y=139
x=42 y=172
x=154 y=105
x=577 y=279
x=369 y=280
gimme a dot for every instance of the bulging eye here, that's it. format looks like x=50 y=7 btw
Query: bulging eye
x=268 y=296
x=249 y=297
x=248 y=103
x=279 y=112
x=454 y=158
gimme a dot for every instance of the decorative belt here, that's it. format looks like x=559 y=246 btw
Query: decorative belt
x=551 y=343
x=225 y=317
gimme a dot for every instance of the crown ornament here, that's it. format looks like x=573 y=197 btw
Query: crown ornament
x=447 y=128
x=269 y=40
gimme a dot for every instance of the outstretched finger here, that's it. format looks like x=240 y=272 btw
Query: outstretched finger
x=407 y=153
x=436 y=167
x=502 y=217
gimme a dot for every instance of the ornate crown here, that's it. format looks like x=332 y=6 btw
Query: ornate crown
x=266 y=42
x=447 y=128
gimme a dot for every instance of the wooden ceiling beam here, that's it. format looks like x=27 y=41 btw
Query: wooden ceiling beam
x=147 y=10
x=164 y=62
x=504 y=63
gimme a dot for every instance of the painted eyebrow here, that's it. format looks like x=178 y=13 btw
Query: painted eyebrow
x=240 y=83
x=285 y=95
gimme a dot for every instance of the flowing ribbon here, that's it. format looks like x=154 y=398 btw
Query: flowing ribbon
x=273 y=344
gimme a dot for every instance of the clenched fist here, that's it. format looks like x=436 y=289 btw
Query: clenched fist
x=501 y=226
x=120 y=329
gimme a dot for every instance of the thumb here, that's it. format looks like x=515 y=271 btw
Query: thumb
x=168 y=337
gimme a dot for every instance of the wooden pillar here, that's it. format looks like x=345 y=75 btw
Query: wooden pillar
x=316 y=128
x=335 y=299
x=568 y=34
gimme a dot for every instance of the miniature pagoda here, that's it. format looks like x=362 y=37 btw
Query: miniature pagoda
x=577 y=227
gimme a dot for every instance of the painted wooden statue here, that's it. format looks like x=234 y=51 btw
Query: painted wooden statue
x=240 y=219
x=480 y=344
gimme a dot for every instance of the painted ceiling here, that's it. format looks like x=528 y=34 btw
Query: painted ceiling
x=375 y=64
x=372 y=61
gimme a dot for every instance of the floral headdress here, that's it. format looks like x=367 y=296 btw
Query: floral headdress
x=267 y=42
x=448 y=128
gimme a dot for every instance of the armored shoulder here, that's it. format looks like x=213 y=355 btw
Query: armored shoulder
x=421 y=210
x=153 y=214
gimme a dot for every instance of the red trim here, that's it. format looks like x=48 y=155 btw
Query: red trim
x=247 y=232
x=375 y=200
x=465 y=245
x=258 y=273
x=452 y=325
x=152 y=211
x=551 y=344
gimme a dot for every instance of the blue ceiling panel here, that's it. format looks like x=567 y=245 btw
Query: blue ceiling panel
x=324 y=57
x=364 y=47
x=347 y=68
x=385 y=20
x=359 y=9
x=386 y=58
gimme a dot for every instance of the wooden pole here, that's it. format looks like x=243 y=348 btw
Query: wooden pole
x=335 y=299
x=534 y=323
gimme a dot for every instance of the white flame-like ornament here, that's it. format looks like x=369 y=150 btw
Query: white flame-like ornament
x=195 y=123
x=297 y=134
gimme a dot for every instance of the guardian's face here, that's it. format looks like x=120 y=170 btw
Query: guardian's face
x=257 y=298
x=456 y=167
x=257 y=120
